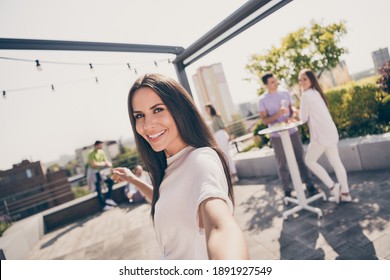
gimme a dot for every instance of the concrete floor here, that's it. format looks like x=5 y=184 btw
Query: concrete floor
x=357 y=230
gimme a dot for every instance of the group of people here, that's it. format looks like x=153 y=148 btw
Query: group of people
x=275 y=106
x=191 y=173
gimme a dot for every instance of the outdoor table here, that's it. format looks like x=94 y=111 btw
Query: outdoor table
x=301 y=201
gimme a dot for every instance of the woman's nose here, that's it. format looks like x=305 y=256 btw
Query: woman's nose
x=150 y=123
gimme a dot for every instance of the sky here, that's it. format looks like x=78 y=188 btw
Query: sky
x=39 y=124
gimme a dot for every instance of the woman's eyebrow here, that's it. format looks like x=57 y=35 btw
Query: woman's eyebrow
x=151 y=108
x=158 y=104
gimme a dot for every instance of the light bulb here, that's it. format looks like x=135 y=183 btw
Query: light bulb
x=38 y=65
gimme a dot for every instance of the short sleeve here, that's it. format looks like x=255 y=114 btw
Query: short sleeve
x=260 y=105
x=212 y=181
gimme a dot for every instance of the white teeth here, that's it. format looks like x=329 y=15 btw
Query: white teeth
x=156 y=135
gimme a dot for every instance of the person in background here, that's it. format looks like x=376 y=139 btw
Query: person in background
x=222 y=138
x=274 y=107
x=96 y=162
x=323 y=136
x=192 y=194
x=131 y=192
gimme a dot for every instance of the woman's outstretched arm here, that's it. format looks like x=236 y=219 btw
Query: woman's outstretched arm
x=122 y=174
x=224 y=238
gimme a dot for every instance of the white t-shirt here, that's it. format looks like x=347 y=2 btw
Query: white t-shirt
x=192 y=175
x=314 y=111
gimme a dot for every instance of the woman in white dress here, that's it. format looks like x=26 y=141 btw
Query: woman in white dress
x=222 y=138
x=192 y=195
x=323 y=136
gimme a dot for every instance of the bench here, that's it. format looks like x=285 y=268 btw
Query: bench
x=240 y=139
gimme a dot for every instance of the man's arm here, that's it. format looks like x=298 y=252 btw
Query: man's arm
x=270 y=119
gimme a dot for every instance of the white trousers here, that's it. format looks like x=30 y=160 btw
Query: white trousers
x=222 y=138
x=314 y=151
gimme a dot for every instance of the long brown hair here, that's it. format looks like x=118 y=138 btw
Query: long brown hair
x=190 y=124
x=213 y=112
x=315 y=83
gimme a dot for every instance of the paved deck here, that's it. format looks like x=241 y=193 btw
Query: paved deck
x=357 y=230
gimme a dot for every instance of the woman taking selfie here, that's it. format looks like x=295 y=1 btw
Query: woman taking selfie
x=192 y=194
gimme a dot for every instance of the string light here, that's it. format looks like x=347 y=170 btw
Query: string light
x=38 y=65
x=38 y=62
x=52 y=86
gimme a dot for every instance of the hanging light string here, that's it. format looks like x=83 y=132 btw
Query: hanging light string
x=38 y=61
x=47 y=86
x=91 y=67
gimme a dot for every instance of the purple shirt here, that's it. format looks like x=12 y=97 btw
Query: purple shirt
x=271 y=104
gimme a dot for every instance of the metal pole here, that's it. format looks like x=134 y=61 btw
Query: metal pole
x=182 y=76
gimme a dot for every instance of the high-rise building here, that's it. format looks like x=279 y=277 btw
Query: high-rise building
x=211 y=87
x=380 y=57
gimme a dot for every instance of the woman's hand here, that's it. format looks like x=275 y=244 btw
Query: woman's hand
x=122 y=174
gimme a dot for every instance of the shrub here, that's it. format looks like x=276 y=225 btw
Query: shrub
x=355 y=110
x=3 y=227
x=80 y=191
x=264 y=139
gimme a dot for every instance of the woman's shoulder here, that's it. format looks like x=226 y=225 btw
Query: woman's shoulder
x=204 y=152
x=310 y=93
x=204 y=160
x=203 y=155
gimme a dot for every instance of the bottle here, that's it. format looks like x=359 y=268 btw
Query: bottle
x=283 y=104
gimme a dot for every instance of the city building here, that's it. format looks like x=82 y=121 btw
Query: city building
x=211 y=87
x=248 y=109
x=28 y=188
x=337 y=76
x=380 y=57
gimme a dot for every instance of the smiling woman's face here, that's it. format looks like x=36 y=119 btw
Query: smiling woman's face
x=304 y=81
x=155 y=123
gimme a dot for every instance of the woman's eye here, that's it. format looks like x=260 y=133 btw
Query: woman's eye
x=138 y=116
x=157 y=110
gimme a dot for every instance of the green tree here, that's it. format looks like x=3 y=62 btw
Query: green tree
x=316 y=47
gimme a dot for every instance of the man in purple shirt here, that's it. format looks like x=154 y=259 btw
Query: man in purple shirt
x=274 y=107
